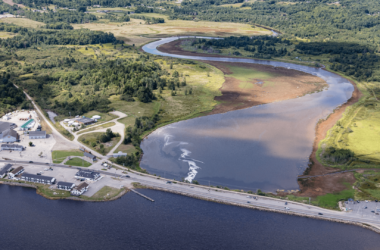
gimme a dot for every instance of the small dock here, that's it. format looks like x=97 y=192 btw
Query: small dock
x=146 y=197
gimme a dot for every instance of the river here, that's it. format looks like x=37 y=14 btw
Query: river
x=263 y=147
x=30 y=221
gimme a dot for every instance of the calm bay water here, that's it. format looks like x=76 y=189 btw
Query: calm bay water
x=30 y=221
x=264 y=147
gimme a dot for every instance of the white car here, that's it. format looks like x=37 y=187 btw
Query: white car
x=287 y=208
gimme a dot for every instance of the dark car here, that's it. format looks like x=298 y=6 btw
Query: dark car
x=127 y=176
x=286 y=203
x=38 y=173
x=365 y=207
x=30 y=161
x=168 y=182
x=372 y=211
x=320 y=213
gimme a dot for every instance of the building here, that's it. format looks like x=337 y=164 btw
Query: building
x=13 y=147
x=89 y=156
x=37 y=135
x=5 y=170
x=16 y=171
x=85 y=121
x=38 y=178
x=28 y=125
x=115 y=155
x=87 y=175
x=80 y=189
x=9 y=135
x=96 y=117
x=6 y=117
x=68 y=186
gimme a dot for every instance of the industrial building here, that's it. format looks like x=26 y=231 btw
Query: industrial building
x=13 y=147
x=85 y=121
x=37 y=135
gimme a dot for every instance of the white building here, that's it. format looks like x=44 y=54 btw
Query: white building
x=13 y=147
x=6 y=118
x=79 y=190
x=37 y=135
x=9 y=135
x=96 y=117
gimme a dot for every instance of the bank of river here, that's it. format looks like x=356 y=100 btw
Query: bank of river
x=264 y=147
x=171 y=222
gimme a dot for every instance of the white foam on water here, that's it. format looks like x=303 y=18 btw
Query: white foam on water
x=193 y=167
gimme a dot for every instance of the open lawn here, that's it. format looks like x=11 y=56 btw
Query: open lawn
x=78 y=162
x=127 y=121
x=59 y=156
x=107 y=125
x=248 y=75
x=331 y=200
x=24 y=22
x=106 y=193
x=105 y=117
x=91 y=140
x=4 y=35
x=132 y=31
x=129 y=149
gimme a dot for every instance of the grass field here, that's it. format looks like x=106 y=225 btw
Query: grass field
x=246 y=75
x=59 y=156
x=78 y=162
x=106 y=193
x=107 y=125
x=331 y=200
x=132 y=31
x=91 y=141
x=129 y=149
x=4 y=35
x=24 y=22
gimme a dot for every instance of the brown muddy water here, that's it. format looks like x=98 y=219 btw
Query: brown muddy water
x=263 y=147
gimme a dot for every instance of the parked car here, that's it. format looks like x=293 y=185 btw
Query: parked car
x=30 y=161
x=127 y=176
x=287 y=208
x=169 y=182
x=248 y=202
x=286 y=203
x=320 y=213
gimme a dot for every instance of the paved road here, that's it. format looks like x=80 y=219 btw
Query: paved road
x=231 y=197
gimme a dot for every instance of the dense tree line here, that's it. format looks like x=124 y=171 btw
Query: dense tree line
x=12 y=28
x=63 y=37
x=149 y=20
x=350 y=58
x=9 y=94
x=117 y=18
x=61 y=17
x=262 y=47
x=338 y=156
x=77 y=3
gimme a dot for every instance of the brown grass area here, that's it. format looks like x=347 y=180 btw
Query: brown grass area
x=24 y=22
x=138 y=32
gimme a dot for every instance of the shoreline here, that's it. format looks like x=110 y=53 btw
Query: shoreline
x=363 y=225
x=27 y=185
x=321 y=129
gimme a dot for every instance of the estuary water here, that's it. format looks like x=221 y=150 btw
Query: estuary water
x=263 y=147
x=32 y=222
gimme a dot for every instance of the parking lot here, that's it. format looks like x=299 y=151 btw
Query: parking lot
x=41 y=149
x=67 y=175
x=364 y=209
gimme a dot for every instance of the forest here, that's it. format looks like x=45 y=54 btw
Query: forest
x=10 y=96
x=29 y=37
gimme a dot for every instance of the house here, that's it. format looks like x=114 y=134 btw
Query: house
x=15 y=172
x=38 y=178
x=90 y=156
x=68 y=186
x=5 y=170
x=80 y=189
x=85 y=121
x=37 y=135
x=13 y=147
x=87 y=175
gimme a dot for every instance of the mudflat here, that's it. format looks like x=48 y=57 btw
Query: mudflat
x=248 y=85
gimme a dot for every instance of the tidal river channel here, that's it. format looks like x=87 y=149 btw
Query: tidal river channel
x=263 y=147
x=32 y=222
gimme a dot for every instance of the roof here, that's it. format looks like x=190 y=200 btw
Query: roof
x=66 y=184
x=10 y=132
x=81 y=186
x=37 y=133
x=89 y=155
x=87 y=174
x=40 y=177
x=5 y=169
x=16 y=170
x=27 y=123
x=11 y=146
x=85 y=120
x=4 y=126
